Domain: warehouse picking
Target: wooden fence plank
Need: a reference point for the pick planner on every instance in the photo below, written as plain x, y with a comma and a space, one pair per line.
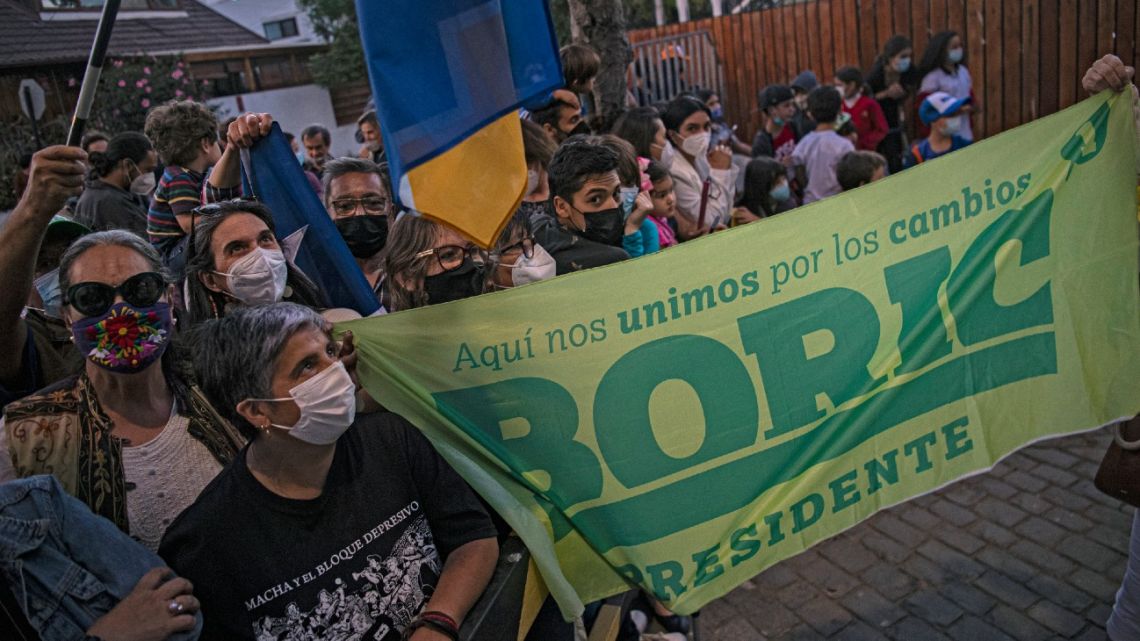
786, 29
1126, 30
937, 16
919, 27
1067, 50
1086, 44
797, 27
1030, 61
1011, 63
902, 22
826, 35
884, 27
867, 38
811, 25
995, 67
1050, 59
1106, 27
956, 17
973, 36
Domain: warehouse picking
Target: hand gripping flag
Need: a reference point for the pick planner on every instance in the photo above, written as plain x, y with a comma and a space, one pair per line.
448, 77
273, 176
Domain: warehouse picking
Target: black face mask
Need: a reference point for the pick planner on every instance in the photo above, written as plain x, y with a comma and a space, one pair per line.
581, 129
604, 226
464, 281
364, 235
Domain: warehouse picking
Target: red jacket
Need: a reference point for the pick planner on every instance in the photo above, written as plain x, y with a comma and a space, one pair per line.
869, 121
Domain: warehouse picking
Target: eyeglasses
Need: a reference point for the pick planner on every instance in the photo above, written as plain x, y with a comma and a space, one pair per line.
526, 246
212, 209
451, 256
94, 299
372, 205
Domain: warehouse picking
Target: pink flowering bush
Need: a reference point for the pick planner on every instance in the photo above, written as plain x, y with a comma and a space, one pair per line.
132, 85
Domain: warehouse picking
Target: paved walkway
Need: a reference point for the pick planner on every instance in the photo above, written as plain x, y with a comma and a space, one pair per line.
1028, 552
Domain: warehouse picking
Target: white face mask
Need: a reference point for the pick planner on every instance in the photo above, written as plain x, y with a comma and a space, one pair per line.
143, 185
328, 406
667, 155
259, 277
531, 182
696, 145
540, 266
951, 126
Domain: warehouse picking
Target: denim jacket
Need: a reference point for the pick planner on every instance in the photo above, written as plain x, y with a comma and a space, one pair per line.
66, 566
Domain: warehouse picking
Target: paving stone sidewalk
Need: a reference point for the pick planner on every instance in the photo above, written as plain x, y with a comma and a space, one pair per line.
1028, 552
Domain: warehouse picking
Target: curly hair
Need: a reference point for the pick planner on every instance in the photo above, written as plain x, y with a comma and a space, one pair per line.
177, 129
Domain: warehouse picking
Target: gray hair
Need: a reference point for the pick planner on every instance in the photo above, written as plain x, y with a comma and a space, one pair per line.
109, 238
336, 168
235, 356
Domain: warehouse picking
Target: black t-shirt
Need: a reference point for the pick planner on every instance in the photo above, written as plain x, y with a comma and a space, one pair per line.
358, 562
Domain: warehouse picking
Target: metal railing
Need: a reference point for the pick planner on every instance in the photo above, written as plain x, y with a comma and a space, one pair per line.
664, 68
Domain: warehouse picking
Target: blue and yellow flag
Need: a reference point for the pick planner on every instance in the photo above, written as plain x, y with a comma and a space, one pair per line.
448, 78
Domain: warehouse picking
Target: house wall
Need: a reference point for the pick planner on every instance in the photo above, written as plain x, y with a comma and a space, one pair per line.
295, 108
252, 14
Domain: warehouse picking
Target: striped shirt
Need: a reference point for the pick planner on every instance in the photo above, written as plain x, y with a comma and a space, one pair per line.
179, 192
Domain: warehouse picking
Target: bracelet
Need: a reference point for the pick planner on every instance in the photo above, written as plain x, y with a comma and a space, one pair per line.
437, 621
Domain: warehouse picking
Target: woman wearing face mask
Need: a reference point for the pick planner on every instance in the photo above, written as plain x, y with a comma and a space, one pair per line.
234, 259
892, 79
704, 179
317, 482
516, 259
118, 189
944, 69
766, 191
426, 263
141, 441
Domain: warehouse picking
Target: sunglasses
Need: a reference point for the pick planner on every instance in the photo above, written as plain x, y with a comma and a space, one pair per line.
94, 299
212, 209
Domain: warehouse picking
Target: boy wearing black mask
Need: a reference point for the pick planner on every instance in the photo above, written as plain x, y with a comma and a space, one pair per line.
356, 198
586, 198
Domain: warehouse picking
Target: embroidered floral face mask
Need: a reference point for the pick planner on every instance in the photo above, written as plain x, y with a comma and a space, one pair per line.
125, 339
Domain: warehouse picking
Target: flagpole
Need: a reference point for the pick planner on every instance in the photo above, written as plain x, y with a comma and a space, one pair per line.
94, 70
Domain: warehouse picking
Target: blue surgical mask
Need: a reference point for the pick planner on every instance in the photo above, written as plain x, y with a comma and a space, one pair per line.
902, 65
628, 197
955, 55
47, 285
779, 122
781, 193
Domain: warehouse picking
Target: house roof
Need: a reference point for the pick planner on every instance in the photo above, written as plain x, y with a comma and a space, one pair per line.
27, 40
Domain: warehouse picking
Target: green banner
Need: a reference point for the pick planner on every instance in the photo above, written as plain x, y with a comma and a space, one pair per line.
684, 420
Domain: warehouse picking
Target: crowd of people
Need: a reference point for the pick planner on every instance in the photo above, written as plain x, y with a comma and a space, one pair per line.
185, 449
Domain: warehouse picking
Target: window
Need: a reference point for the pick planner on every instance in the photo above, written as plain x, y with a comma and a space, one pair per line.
273, 72
280, 29
222, 77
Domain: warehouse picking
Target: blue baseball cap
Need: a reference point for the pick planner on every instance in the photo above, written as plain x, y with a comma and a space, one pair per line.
940, 105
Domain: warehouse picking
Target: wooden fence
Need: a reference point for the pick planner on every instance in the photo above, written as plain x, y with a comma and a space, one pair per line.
1026, 57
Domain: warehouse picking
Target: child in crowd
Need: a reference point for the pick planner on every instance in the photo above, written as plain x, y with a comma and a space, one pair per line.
659, 184
944, 69
766, 192
817, 154
801, 86
860, 168
866, 114
942, 113
580, 66
185, 135
640, 234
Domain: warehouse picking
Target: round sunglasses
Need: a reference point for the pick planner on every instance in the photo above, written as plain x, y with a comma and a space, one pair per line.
94, 299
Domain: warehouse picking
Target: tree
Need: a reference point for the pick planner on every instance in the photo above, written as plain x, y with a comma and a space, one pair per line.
602, 24
335, 22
